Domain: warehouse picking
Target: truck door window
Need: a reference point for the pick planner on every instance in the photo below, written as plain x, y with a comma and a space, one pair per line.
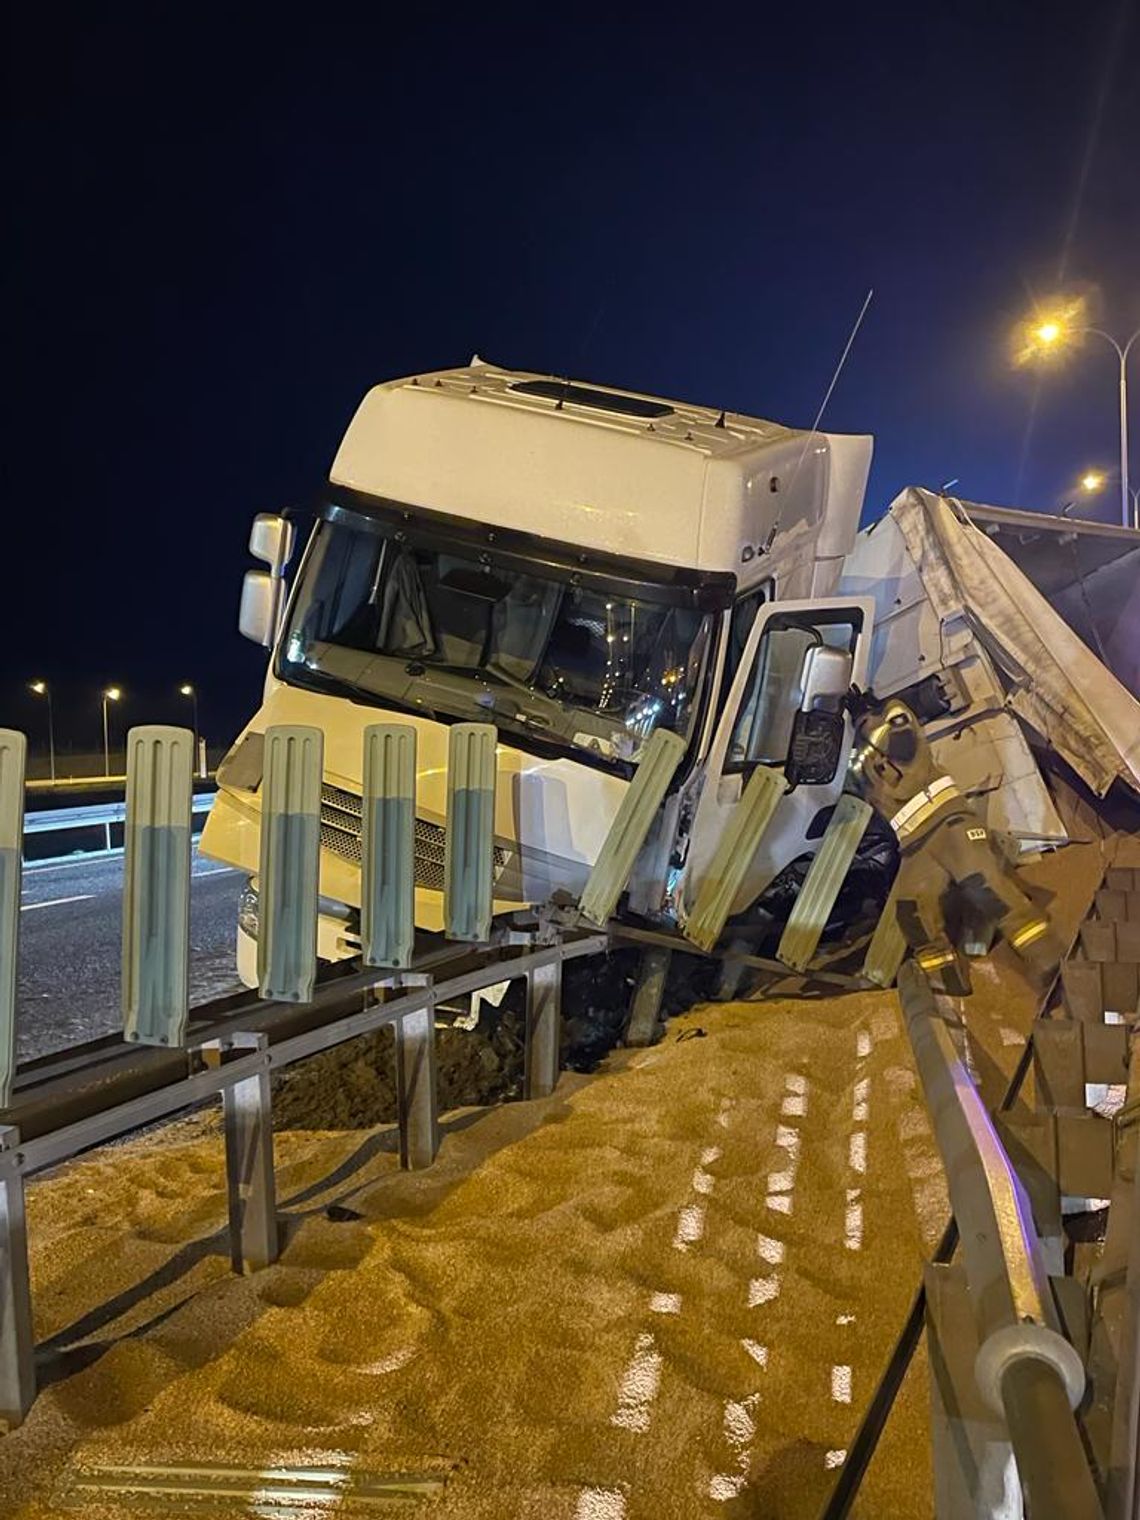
772, 727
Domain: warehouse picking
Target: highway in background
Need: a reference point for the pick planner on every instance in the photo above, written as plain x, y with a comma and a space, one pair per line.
70, 933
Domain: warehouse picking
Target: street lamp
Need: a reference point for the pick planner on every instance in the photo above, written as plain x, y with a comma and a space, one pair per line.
42, 689
111, 694
1090, 483
1048, 334
186, 690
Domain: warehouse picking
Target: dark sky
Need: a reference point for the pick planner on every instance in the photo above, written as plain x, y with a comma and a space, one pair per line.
224, 226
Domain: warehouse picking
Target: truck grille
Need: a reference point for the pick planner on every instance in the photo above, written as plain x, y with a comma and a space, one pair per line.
340, 833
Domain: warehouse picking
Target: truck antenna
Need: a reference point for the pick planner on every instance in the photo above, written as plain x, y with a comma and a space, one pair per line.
819, 415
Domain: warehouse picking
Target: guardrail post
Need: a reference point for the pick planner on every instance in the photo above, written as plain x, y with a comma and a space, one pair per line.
887, 950
156, 885
290, 862
250, 1183
388, 824
468, 863
632, 822
17, 1340
821, 885
13, 761
417, 1102
645, 1007
543, 1047
747, 824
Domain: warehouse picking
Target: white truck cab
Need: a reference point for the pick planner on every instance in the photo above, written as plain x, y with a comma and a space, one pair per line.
579, 566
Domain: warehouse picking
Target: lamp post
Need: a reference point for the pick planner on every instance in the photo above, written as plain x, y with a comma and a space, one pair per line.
187, 690
1050, 332
42, 689
111, 694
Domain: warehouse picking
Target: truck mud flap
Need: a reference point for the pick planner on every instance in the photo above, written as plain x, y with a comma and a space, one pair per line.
825, 876
746, 826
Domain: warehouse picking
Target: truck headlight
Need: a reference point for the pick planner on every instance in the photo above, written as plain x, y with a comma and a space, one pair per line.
249, 908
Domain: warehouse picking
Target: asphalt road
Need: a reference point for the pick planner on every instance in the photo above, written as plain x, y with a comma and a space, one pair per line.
70, 928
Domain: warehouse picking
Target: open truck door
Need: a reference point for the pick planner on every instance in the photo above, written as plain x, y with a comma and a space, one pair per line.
778, 759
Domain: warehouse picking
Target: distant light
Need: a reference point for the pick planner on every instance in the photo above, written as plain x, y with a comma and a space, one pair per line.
1048, 332
186, 689
113, 693
1092, 480
39, 687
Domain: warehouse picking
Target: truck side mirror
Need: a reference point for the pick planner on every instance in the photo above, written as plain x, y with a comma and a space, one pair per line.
825, 677
260, 598
271, 541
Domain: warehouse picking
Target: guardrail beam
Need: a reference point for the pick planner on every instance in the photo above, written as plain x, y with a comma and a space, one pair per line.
13, 764
17, 1339
156, 885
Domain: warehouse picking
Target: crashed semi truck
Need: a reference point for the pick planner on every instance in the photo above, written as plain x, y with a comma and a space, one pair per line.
583, 568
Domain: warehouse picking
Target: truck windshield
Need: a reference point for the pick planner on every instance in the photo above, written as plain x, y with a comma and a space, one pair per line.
430, 631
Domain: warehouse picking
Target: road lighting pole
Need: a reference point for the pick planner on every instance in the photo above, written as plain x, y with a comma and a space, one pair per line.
112, 694
1122, 353
187, 690
42, 689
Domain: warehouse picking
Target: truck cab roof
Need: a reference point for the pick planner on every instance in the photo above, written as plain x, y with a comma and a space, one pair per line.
615, 470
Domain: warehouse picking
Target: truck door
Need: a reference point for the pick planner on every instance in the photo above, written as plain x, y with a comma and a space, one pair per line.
782, 708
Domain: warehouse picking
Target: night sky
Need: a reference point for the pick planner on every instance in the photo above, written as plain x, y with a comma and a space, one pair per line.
223, 227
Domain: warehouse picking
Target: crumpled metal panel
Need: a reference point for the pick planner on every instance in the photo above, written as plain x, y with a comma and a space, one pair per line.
13, 761
156, 885
290, 862
746, 826
825, 876
388, 831
468, 866
631, 825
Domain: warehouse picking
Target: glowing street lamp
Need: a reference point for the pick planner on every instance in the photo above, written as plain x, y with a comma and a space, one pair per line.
1050, 333
111, 694
1089, 484
42, 689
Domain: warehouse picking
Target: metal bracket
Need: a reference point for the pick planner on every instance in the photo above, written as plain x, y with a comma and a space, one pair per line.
250, 1183
17, 1338
542, 1053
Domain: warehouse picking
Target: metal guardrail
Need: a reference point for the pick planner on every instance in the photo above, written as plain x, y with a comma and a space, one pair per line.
1025, 1369
57, 820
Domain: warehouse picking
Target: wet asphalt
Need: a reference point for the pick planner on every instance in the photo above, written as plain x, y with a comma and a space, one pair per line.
70, 928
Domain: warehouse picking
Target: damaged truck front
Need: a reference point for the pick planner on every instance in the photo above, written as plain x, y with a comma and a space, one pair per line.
580, 567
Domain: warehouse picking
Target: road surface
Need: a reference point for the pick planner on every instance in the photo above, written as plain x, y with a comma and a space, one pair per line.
70, 928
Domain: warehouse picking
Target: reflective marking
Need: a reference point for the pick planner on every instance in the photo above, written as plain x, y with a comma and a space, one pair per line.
639, 1386
862, 1044
739, 1425
726, 1486
1011, 1036
788, 1139
690, 1226
710, 1154
781, 1203
762, 1290
835, 1458
220, 871
56, 902
703, 1182
665, 1303
841, 1384
758, 1353
860, 1104
857, 1151
781, 1182
796, 1084
600, 1504
853, 1226
844, 1319
771, 1251
793, 1107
